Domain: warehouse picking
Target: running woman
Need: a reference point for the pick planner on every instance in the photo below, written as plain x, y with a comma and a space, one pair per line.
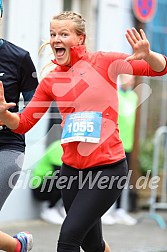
83, 84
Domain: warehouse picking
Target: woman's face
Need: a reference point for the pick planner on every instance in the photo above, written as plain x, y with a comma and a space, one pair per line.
62, 38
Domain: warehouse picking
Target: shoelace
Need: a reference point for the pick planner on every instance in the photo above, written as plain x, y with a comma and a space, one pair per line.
1, 8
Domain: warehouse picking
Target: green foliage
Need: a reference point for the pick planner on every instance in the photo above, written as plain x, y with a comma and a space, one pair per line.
146, 156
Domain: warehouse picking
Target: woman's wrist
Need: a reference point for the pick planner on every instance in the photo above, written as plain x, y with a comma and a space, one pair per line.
156, 61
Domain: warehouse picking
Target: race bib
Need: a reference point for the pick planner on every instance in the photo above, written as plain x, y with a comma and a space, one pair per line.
82, 127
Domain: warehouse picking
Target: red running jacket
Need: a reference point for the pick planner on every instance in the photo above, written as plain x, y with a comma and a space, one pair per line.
88, 85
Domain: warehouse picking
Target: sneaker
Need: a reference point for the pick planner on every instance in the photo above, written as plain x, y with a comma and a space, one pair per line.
107, 219
61, 211
122, 217
52, 215
26, 241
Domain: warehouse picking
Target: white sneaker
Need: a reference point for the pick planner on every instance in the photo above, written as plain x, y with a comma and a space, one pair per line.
52, 215
107, 219
62, 211
122, 217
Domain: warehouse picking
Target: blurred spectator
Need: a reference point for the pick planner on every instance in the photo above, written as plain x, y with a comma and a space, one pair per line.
54, 128
45, 176
18, 74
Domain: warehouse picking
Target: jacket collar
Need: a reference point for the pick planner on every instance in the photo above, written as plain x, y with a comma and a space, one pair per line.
77, 53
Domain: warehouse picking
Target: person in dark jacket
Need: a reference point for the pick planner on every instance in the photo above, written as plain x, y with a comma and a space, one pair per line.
18, 74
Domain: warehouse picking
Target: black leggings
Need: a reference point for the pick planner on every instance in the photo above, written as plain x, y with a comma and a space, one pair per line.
118, 202
86, 202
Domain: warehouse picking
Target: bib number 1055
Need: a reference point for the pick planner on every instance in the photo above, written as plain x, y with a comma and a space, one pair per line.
81, 127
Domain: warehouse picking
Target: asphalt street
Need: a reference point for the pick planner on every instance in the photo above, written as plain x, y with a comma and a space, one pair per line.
146, 236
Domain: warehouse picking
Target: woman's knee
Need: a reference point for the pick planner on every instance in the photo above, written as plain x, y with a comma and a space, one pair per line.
69, 239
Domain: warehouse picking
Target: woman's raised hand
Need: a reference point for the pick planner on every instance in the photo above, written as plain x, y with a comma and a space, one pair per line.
139, 44
4, 106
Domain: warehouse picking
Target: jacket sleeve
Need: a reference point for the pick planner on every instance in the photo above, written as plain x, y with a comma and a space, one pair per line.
142, 68
35, 109
27, 74
116, 64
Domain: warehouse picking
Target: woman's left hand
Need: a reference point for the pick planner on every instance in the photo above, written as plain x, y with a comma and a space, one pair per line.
4, 106
139, 44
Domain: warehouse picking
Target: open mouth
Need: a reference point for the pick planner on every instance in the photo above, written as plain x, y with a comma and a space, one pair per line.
60, 52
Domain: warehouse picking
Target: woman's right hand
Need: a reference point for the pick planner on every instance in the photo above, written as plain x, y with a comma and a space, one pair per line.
4, 106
